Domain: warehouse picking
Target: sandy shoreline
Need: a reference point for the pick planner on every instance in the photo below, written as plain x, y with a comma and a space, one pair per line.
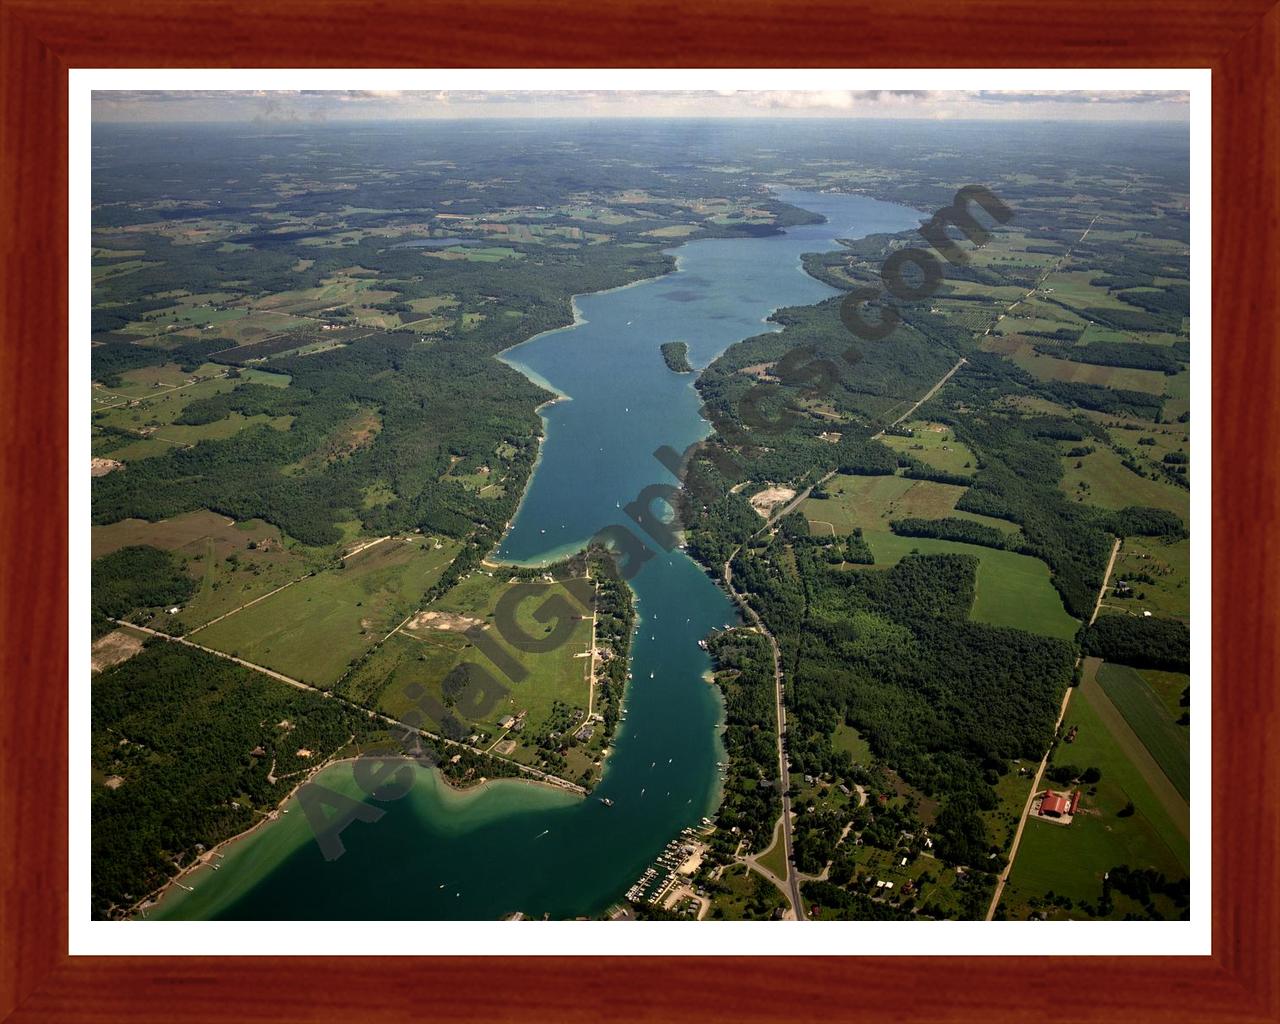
157, 896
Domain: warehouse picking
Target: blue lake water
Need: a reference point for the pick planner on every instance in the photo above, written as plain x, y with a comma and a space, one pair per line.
513, 846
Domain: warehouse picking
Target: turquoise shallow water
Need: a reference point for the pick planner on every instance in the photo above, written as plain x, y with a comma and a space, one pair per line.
440, 855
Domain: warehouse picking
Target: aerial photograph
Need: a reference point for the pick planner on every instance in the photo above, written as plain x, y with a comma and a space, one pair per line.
602, 505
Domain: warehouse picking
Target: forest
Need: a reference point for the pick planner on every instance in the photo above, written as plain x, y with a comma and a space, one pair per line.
948, 702
135, 577
1141, 642
183, 746
676, 356
743, 665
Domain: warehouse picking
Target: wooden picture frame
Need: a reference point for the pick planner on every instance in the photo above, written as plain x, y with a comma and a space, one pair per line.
42, 39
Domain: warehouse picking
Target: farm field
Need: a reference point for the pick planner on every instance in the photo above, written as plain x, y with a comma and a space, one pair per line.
148, 383
218, 554
1011, 589
1070, 861
434, 644
351, 287
313, 630
1073, 288
1021, 350
872, 502
1169, 687
1142, 708
149, 400
179, 532
166, 437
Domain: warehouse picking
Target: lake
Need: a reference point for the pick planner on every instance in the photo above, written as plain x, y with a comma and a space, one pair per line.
438, 854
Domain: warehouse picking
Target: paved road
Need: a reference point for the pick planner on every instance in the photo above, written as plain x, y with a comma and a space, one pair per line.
784, 773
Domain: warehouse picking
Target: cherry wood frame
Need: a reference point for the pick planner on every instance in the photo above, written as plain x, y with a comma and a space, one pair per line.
41, 39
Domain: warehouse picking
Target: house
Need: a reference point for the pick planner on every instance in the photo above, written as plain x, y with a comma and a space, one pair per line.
1075, 801
1053, 805
506, 722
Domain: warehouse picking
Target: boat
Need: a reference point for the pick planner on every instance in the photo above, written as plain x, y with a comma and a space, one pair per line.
606, 801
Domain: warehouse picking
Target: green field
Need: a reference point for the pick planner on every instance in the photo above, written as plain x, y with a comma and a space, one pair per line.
1071, 860
218, 555
1166, 564
148, 400
775, 858
1011, 589
848, 739
1169, 687
1011, 795
872, 502
313, 630
1166, 741
935, 445
1021, 350
1111, 485
748, 896
432, 645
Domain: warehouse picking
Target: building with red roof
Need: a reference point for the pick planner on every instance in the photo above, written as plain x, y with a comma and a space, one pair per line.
1054, 805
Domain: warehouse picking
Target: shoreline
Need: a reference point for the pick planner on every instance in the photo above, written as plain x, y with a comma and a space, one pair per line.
579, 320
205, 860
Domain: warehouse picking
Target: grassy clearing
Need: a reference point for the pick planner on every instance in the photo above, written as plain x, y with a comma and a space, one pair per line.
672, 231
345, 288
1159, 573
1151, 721
1071, 860
429, 648
151, 399
183, 532
1011, 590
166, 437
217, 552
1011, 794
746, 896
775, 858
432, 303
1021, 350
935, 445
848, 739
1109, 484
313, 630
872, 502
1073, 288
1169, 687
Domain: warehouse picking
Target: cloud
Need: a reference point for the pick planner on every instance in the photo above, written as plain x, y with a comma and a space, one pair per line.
373, 104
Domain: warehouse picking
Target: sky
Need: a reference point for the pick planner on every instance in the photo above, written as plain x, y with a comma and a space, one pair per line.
303, 105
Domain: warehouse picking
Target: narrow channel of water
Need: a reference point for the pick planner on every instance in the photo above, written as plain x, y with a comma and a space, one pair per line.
438, 854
